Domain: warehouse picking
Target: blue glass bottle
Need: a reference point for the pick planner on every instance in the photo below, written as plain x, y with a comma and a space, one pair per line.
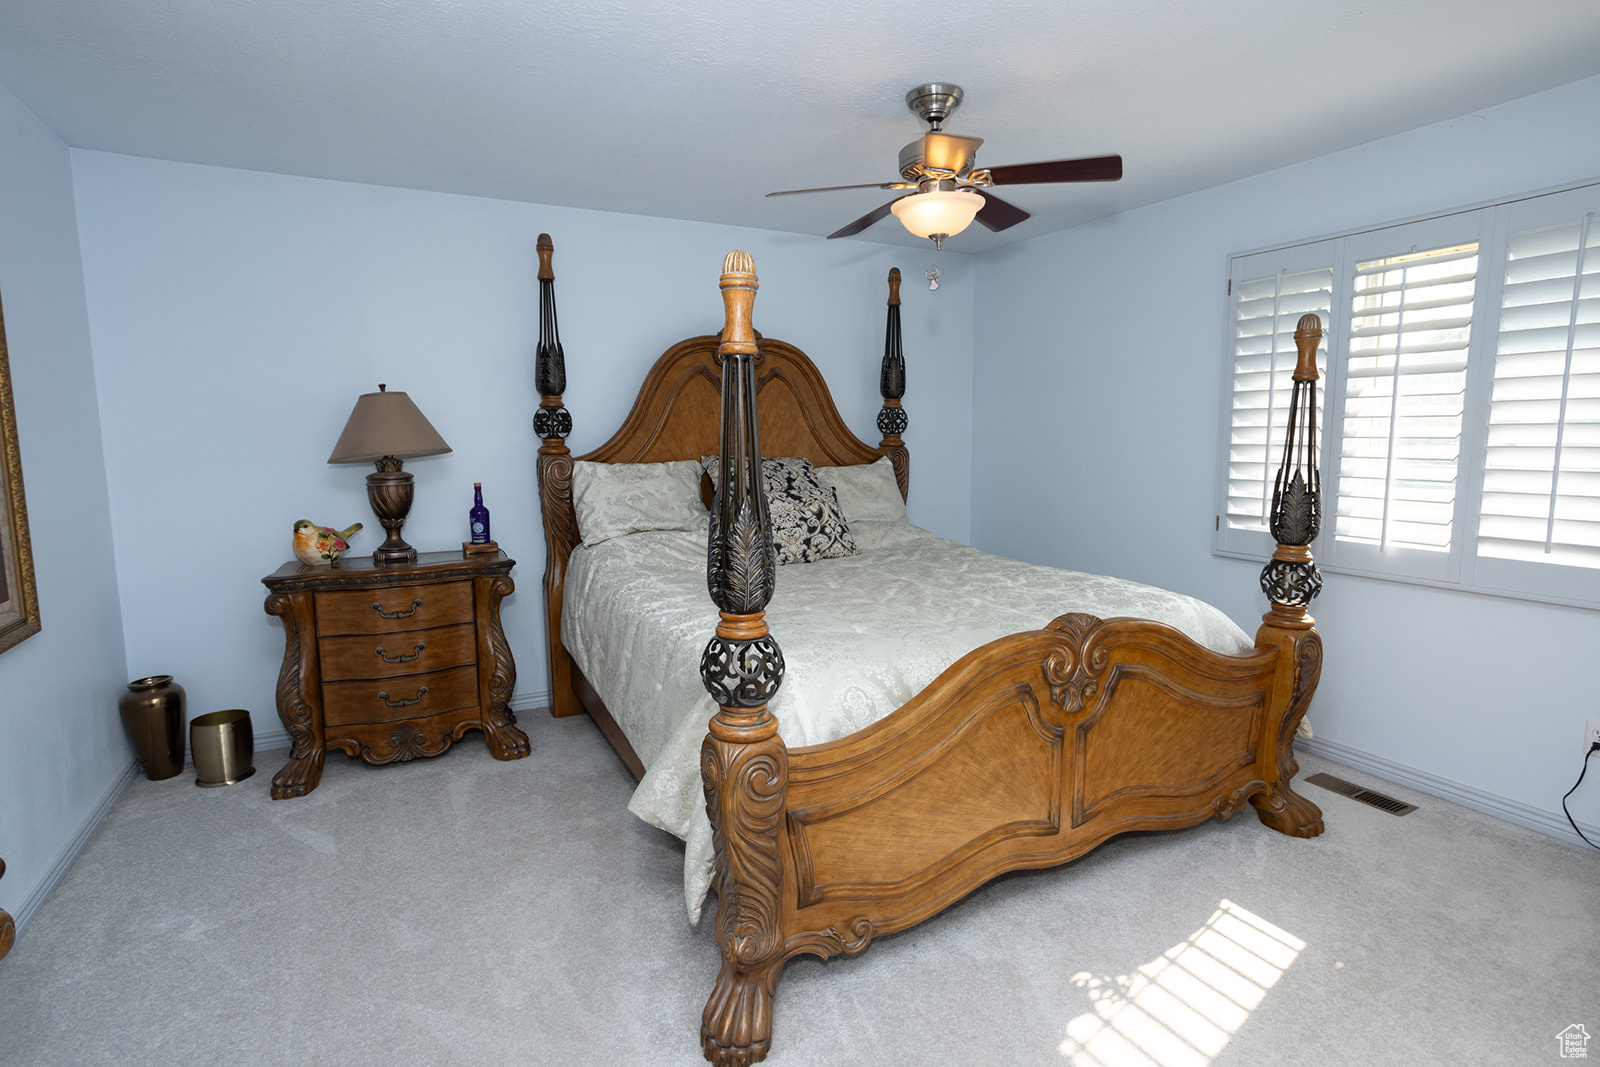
479, 516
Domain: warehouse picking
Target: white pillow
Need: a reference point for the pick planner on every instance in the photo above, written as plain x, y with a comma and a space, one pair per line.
613, 499
868, 492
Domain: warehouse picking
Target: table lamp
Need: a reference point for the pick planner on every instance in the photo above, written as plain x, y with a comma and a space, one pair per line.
386, 428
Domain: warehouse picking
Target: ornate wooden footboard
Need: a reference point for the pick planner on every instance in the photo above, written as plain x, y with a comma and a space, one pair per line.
1025, 753
1028, 752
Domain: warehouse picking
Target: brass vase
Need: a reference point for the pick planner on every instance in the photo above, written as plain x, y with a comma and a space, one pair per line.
152, 713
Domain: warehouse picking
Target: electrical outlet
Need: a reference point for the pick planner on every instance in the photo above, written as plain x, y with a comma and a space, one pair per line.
1591, 735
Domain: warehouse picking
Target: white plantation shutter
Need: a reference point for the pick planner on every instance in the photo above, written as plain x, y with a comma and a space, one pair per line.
1541, 484
1264, 359
1268, 299
1405, 378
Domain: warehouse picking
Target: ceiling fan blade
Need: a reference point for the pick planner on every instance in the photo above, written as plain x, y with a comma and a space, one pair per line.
833, 188
1091, 169
946, 151
997, 214
875, 215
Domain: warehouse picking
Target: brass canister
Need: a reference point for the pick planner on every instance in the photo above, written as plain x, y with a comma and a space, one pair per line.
222, 746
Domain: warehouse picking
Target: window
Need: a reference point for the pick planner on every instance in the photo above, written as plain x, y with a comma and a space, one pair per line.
1459, 402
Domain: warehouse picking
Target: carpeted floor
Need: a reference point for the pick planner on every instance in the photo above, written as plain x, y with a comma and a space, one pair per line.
465, 911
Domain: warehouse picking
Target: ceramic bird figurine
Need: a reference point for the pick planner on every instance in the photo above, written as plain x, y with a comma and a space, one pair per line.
321, 544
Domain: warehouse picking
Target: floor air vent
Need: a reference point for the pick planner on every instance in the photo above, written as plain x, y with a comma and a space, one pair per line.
1361, 793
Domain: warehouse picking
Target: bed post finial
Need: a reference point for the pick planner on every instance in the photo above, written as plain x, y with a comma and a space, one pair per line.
1291, 581
552, 423
892, 419
739, 285
744, 766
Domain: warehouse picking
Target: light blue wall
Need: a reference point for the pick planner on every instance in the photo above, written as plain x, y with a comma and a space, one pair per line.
61, 744
237, 315
1101, 352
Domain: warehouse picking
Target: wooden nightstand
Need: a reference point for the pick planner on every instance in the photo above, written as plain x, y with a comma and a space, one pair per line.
392, 662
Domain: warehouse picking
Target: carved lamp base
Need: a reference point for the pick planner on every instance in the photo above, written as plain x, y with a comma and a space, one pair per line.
390, 491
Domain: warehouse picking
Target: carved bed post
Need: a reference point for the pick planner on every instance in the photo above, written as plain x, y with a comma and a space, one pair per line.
744, 766
892, 419
1291, 581
552, 423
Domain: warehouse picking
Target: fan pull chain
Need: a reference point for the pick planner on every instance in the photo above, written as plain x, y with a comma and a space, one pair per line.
933, 266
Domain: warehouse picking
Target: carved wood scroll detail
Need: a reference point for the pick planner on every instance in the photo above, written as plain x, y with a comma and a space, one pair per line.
1280, 807
560, 537
506, 742
304, 769
1074, 672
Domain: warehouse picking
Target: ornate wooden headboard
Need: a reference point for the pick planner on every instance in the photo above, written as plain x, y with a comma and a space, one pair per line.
677, 416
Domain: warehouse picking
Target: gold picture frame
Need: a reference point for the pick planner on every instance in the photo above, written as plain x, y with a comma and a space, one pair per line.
19, 596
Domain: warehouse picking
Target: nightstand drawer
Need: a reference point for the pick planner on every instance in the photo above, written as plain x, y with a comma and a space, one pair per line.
398, 607
411, 696
405, 652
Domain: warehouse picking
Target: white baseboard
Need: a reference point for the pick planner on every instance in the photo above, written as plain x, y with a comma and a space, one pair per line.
1552, 823
277, 737
69, 855
521, 702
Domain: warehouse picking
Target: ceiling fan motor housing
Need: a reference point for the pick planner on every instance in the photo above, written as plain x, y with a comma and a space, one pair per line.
911, 161
940, 156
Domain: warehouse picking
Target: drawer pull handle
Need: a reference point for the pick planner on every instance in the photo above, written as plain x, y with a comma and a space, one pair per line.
381, 654
384, 696
415, 604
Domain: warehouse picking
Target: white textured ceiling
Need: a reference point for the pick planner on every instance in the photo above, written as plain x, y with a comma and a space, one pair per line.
693, 109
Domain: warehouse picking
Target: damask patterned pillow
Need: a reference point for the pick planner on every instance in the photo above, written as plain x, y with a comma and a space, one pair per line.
807, 524
614, 499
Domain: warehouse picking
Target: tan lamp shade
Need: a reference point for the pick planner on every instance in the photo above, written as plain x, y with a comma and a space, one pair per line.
386, 424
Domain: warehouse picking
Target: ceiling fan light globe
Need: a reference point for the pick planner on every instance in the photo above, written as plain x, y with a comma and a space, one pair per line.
945, 213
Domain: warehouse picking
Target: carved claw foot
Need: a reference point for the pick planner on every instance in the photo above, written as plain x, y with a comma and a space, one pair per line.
299, 776
506, 742
736, 1027
1287, 812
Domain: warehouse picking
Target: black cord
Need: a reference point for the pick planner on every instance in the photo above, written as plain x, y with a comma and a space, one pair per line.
1592, 750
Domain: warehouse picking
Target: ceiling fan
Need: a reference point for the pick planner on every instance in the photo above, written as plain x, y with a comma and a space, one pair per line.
950, 191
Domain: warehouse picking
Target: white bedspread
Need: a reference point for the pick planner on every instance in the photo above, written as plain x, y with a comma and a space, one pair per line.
860, 636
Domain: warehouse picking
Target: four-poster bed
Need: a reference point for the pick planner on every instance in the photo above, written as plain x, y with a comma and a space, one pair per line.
1026, 752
